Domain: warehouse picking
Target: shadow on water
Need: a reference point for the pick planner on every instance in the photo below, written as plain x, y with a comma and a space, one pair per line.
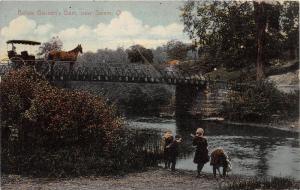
189, 125
255, 151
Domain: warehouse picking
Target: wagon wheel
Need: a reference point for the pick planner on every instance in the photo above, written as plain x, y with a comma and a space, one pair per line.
17, 62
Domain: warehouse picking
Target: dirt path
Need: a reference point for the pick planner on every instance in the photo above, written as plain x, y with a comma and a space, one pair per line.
153, 179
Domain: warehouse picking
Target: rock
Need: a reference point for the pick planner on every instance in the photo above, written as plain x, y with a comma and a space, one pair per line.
287, 82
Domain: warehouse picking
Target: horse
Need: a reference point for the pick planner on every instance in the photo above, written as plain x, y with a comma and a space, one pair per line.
70, 56
173, 62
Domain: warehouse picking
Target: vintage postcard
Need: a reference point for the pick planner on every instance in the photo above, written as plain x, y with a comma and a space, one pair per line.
149, 95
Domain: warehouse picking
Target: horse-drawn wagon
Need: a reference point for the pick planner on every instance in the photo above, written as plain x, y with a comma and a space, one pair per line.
43, 65
23, 58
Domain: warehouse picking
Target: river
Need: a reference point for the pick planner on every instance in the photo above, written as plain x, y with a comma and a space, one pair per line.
254, 151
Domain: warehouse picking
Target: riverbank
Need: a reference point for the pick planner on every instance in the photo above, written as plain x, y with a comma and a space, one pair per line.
152, 179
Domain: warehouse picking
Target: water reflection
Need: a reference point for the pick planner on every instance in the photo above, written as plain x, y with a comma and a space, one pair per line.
254, 151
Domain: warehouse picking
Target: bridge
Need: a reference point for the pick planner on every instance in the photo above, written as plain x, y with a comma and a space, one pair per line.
129, 73
189, 85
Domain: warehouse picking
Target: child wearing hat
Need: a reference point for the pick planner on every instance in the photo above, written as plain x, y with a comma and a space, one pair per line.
201, 155
174, 146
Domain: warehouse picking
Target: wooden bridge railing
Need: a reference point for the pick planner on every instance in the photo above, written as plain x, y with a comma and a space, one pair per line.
129, 74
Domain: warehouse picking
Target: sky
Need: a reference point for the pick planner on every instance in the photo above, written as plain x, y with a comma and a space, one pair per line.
93, 24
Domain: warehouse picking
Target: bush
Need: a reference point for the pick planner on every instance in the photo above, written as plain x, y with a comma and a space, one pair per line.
57, 132
260, 102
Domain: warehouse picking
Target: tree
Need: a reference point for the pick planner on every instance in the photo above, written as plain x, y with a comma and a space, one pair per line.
176, 50
53, 44
225, 31
236, 34
138, 53
103, 56
290, 27
266, 17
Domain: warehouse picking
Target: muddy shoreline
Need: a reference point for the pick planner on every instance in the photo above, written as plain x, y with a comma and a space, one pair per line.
151, 179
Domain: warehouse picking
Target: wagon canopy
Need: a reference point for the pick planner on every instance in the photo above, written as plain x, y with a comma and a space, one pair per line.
28, 42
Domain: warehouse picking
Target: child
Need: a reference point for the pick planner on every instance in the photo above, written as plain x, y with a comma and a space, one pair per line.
220, 159
167, 140
173, 147
201, 155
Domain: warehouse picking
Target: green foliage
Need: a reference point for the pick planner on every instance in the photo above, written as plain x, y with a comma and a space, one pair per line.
176, 50
93, 59
138, 53
290, 26
260, 102
53, 44
30, 101
57, 132
226, 31
17, 92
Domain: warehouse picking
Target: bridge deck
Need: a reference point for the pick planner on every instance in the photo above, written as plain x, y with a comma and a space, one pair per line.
135, 73
128, 73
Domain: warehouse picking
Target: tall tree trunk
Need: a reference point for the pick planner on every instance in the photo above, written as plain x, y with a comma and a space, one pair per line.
261, 24
259, 57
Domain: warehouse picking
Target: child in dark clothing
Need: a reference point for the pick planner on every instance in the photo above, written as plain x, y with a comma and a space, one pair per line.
173, 147
220, 159
201, 155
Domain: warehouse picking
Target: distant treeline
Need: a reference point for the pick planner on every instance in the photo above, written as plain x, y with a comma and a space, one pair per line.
161, 54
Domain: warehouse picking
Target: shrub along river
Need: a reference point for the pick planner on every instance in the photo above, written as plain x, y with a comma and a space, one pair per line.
254, 151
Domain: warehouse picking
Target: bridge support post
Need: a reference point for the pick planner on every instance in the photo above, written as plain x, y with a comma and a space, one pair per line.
185, 99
